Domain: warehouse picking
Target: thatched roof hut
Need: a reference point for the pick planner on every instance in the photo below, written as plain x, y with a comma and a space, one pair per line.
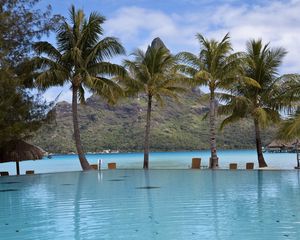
16, 151
275, 144
278, 145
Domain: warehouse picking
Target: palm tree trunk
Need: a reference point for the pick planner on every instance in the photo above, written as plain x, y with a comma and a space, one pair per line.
147, 132
213, 163
83, 161
260, 156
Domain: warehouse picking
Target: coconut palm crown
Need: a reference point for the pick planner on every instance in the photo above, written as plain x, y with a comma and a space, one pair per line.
80, 59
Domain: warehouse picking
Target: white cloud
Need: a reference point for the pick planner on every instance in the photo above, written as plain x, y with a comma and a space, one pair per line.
138, 26
59, 93
277, 22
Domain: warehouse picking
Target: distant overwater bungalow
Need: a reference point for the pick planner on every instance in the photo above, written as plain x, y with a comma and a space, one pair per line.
278, 146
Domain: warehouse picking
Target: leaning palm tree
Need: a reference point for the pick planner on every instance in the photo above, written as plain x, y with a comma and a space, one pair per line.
152, 72
263, 103
81, 60
216, 67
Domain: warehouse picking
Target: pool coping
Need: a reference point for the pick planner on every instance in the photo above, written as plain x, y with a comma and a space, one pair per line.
156, 169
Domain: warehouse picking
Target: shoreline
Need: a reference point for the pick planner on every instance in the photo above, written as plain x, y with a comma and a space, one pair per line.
158, 160
154, 151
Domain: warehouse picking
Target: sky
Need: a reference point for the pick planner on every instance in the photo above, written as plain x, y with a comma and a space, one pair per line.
136, 22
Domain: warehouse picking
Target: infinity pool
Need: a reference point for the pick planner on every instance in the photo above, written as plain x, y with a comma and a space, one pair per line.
154, 204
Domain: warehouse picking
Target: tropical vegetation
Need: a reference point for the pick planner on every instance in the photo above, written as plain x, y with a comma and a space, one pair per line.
290, 127
262, 103
80, 59
177, 126
154, 73
21, 111
216, 67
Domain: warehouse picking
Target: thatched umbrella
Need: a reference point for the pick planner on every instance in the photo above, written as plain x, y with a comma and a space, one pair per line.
16, 151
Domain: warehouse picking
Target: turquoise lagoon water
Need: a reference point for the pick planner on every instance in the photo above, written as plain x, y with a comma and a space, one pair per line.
158, 160
154, 204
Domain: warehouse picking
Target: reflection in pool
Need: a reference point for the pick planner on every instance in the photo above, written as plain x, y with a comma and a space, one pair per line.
154, 204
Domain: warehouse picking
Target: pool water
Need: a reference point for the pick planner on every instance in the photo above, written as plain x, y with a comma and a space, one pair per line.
153, 204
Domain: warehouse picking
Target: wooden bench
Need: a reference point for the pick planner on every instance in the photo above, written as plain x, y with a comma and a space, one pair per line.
112, 165
4, 173
196, 163
249, 165
94, 166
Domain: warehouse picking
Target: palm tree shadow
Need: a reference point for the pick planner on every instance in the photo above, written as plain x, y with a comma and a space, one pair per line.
151, 216
215, 202
77, 213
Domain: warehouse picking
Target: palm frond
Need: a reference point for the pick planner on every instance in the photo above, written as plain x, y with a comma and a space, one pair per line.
51, 78
202, 77
187, 70
265, 116
106, 88
65, 38
105, 49
229, 120
189, 59
248, 81
106, 68
91, 31
290, 128
81, 96
48, 49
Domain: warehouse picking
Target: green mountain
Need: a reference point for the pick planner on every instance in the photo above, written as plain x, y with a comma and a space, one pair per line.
175, 126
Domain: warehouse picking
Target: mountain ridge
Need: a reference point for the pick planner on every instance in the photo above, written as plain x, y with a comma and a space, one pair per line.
176, 126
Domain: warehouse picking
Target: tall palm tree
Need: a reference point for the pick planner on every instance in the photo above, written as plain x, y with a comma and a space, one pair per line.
152, 72
81, 60
263, 103
216, 67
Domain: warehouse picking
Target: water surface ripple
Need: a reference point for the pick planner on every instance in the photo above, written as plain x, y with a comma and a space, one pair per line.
154, 204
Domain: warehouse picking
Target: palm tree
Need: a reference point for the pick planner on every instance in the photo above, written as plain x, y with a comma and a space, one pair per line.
290, 92
263, 103
216, 67
152, 72
81, 60
290, 128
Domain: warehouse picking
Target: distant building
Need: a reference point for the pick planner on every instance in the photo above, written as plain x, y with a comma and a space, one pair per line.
278, 146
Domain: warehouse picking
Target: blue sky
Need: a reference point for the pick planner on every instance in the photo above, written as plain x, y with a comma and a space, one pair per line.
176, 22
